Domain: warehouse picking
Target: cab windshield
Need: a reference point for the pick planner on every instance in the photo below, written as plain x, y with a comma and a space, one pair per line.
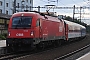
21, 22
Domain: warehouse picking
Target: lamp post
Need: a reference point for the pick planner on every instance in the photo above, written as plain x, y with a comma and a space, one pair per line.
22, 5
14, 6
80, 13
4, 6
73, 12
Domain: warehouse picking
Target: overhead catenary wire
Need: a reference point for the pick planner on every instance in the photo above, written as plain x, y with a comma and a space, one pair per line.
44, 1
58, 1
86, 2
76, 4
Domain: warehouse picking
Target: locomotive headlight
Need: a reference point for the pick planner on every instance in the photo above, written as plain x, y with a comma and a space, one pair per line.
32, 33
8, 33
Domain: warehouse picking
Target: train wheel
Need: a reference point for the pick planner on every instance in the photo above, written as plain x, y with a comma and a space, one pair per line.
9, 48
40, 46
59, 42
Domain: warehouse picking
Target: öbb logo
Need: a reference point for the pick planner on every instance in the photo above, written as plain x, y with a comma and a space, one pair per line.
19, 34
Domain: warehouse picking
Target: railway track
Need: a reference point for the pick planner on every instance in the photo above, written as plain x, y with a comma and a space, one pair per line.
12, 55
6, 54
15, 55
59, 53
9, 56
40, 55
71, 53
21, 54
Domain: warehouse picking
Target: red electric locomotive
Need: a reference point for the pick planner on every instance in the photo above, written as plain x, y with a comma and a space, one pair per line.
34, 29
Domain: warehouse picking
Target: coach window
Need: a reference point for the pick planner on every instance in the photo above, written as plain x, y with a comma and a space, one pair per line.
27, 0
0, 10
30, 2
6, 12
7, 22
38, 22
6, 4
0, 3
0, 20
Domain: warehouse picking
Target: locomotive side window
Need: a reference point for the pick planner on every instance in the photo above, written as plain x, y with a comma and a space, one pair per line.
21, 22
38, 22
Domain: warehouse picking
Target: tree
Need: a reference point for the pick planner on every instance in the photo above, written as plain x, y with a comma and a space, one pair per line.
75, 20
68, 18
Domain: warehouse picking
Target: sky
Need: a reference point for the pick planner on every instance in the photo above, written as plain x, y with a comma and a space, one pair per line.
66, 3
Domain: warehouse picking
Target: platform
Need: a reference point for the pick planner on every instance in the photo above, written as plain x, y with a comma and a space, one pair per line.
2, 43
85, 57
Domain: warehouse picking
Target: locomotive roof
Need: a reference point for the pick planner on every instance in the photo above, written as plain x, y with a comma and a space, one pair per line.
24, 12
42, 14
74, 24
35, 12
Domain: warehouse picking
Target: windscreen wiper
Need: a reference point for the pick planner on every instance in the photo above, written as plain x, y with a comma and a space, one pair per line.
19, 23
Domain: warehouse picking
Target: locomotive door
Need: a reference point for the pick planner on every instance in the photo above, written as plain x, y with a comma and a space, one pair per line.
66, 31
39, 27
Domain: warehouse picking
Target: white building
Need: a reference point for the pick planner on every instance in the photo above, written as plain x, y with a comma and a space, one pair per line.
7, 6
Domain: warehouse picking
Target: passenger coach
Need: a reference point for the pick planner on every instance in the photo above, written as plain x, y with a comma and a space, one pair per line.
75, 30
